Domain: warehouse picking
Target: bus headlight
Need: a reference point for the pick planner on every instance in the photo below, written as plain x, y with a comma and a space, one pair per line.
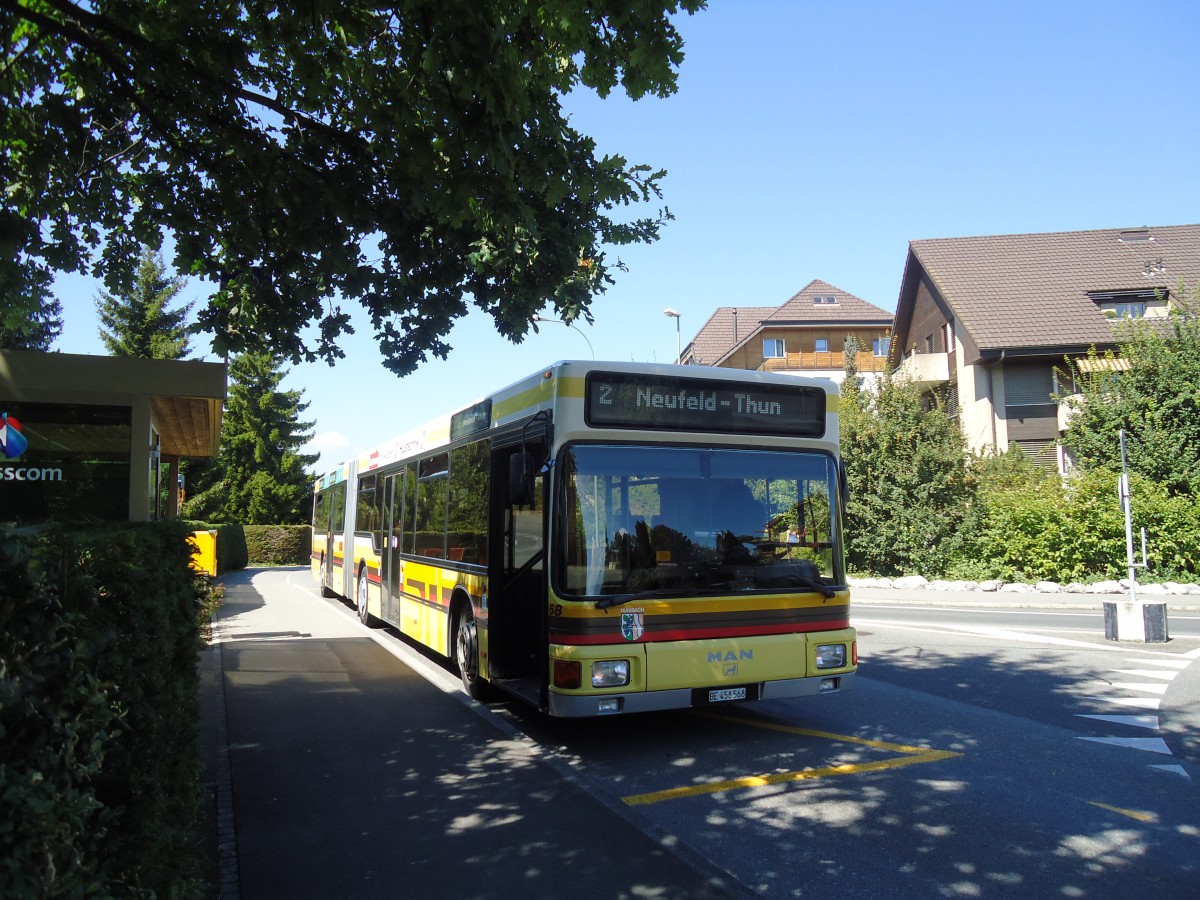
831, 656
607, 673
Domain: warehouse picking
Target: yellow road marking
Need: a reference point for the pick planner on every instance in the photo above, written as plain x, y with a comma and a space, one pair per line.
1132, 813
914, 756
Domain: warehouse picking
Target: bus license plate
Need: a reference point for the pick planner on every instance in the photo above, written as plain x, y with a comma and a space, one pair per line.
727, 694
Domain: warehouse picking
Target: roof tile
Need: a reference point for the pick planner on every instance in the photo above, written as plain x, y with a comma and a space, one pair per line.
1030, 290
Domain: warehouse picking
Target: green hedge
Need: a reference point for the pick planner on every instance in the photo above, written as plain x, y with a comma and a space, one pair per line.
99, 713
278, 545
1038, 528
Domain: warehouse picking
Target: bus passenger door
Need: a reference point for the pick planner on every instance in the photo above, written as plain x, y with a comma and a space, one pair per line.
390, 566
517, 582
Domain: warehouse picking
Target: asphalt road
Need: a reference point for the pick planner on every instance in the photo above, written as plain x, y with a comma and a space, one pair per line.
982, 753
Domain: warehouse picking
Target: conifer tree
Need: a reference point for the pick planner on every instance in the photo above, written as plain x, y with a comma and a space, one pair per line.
140, 323
31, 319
259, 475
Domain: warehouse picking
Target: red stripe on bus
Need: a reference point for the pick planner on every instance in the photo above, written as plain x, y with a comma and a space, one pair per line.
697, 634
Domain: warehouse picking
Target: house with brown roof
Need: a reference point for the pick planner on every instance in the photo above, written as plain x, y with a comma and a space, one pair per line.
807, 335
988, 323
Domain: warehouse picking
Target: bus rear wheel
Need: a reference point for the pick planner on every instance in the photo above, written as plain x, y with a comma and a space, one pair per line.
466, 653
364, 614
326, 590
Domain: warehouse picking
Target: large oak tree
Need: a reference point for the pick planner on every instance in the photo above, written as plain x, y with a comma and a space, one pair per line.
413, 156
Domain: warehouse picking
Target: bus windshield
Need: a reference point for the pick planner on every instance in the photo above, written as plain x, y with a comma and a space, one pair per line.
697, 521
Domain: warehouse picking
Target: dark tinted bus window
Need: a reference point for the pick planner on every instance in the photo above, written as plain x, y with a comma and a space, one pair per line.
430, 525
408, 511
466, 520
337, 506
369, 516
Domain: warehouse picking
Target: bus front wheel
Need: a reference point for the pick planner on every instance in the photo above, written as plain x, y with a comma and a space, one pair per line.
466, 653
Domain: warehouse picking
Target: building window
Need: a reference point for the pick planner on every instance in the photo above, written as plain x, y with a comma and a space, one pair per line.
773, 348
1028, 385
949, 335
929, 343
821, 345
824, 300
880, 346
1134, 310
1127, 304
1042, 453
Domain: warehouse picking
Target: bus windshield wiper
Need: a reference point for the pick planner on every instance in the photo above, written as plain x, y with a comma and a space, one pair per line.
794, 580
621, 599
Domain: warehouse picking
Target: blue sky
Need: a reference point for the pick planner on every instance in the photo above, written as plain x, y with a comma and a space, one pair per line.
815, 141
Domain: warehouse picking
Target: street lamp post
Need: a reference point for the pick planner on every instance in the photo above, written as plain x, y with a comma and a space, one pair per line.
540, 318
674, 314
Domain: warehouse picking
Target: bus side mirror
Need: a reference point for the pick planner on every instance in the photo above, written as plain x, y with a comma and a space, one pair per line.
520, 478
844, 478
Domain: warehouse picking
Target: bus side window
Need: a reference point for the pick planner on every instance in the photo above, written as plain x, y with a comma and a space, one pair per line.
397, 522
337, 508
466, 523
430, 527
369, 519
408, 537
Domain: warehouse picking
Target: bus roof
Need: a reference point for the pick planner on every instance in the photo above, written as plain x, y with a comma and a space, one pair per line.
535, 392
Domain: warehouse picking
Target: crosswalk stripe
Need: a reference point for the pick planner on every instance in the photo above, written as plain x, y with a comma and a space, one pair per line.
1133, 721
1151, 745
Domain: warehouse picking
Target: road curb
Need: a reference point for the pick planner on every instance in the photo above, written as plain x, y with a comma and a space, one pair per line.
227, 848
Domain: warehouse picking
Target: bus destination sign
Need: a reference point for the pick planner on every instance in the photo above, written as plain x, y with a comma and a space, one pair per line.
625, 400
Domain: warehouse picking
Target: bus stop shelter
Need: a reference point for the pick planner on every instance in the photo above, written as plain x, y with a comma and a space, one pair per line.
101, 437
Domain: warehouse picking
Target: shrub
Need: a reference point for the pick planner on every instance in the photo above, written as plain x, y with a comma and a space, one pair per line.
910, 486
278, 545
56, 723
1031, 526
101, 710
134, 585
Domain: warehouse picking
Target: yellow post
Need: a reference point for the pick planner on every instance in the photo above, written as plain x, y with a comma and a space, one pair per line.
204, 557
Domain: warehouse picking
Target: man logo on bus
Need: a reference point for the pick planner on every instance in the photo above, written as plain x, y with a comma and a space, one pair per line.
11, 438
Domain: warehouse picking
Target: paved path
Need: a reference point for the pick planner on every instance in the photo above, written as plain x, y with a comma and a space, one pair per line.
342, 772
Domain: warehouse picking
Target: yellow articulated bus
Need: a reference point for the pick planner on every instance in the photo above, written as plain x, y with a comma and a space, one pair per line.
606, 538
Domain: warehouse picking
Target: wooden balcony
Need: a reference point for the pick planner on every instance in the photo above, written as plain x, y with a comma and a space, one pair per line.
865, 362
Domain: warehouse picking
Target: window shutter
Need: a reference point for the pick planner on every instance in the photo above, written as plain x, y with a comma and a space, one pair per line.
1044, 455
1028, 385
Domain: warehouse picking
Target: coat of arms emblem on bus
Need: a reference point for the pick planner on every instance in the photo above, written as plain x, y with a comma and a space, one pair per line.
11, 440
633, 625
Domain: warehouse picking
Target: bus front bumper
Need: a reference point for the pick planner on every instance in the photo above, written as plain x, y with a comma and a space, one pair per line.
577, 706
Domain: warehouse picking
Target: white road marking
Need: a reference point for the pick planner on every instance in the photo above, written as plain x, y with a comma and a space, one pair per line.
1148, 673
1137, 686
1151, 745
1139, 702
983, 631
1174, 770
1169, 663
1150, 722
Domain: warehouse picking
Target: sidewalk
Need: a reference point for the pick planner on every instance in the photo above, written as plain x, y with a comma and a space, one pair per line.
341, 772
1014, 600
